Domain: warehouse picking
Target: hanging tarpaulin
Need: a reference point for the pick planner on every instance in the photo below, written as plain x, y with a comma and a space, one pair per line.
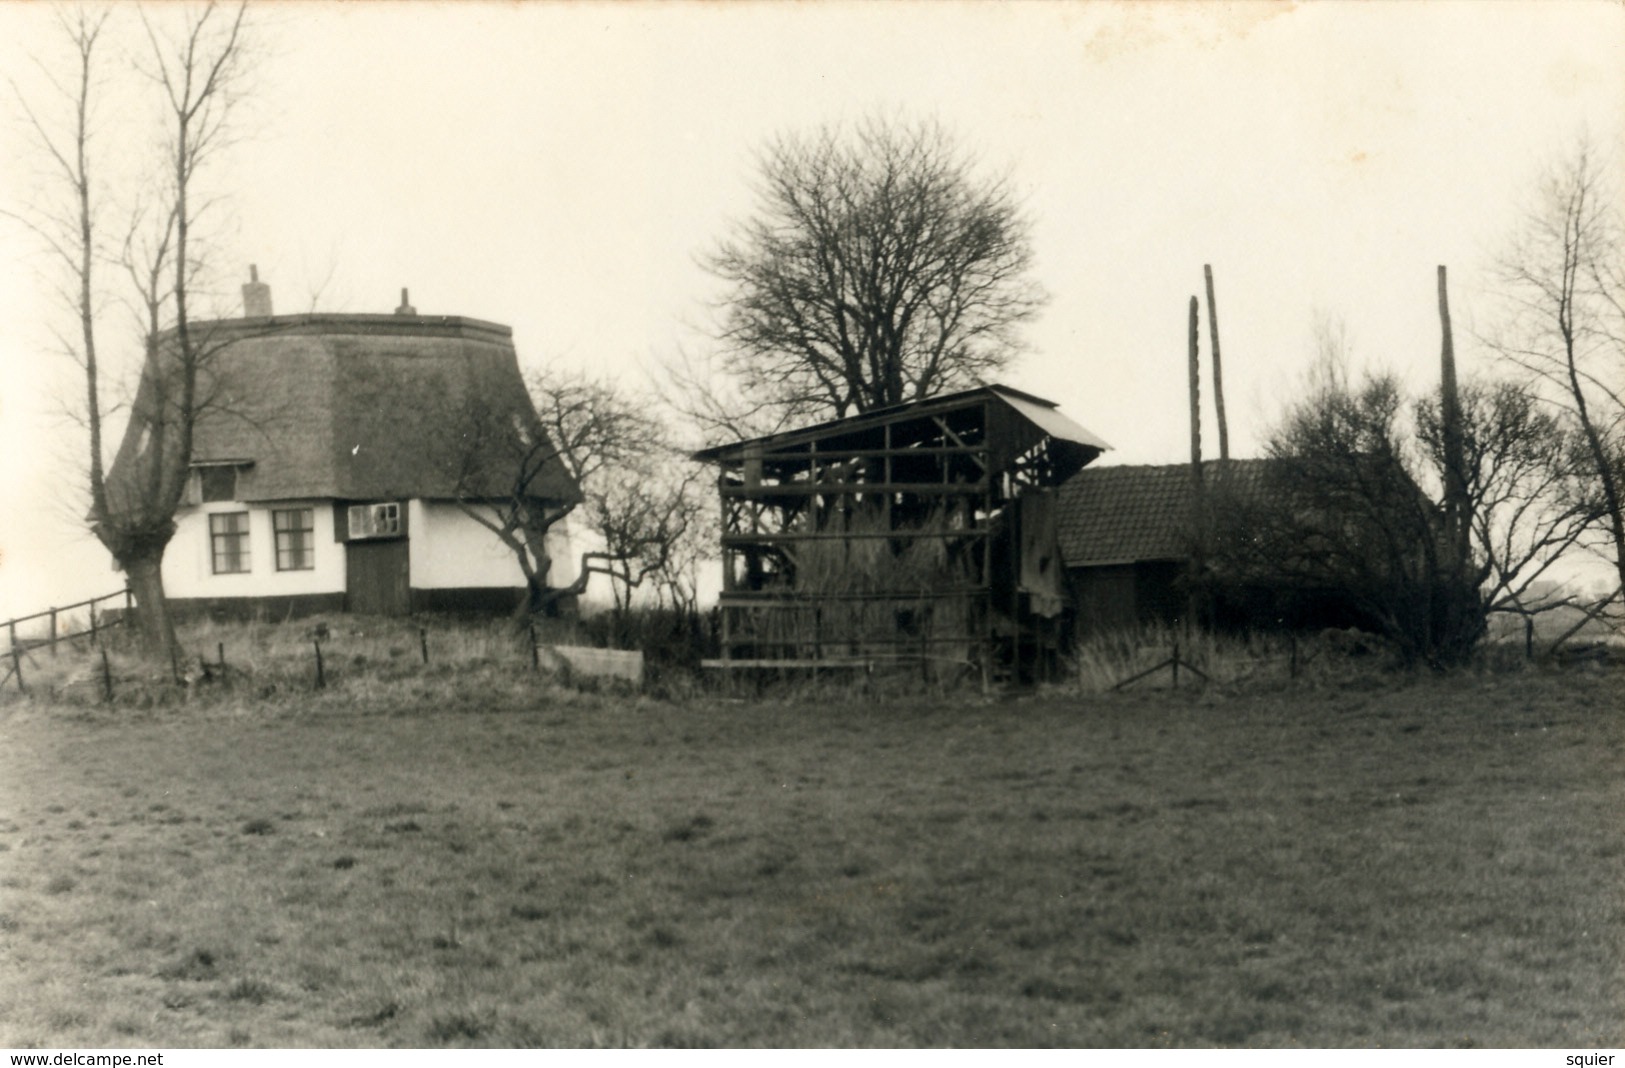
1040, 573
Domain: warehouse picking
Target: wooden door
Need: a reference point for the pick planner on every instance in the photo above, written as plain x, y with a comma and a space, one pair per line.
375, 578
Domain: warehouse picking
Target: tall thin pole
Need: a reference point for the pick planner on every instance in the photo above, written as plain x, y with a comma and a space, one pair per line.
1196, 399
1455, 462
1198, 512
1218, 374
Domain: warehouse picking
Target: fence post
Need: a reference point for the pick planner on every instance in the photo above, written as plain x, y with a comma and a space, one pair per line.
17, 665
107, 678
321, 678
53, 632
818, 641
423, 642
95, 638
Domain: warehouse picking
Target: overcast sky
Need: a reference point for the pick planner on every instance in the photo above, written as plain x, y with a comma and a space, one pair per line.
560, 168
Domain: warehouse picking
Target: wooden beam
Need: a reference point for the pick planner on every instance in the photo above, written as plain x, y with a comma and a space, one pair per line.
814, 489
854, 535
770, 599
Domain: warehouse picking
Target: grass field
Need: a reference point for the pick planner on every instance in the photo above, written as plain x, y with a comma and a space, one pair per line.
1438, 862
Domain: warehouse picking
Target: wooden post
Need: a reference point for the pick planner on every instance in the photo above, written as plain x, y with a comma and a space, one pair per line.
1198, 516
1457, 505
53, 632
95, 638
818, 611
321, 676
1196, 395
1218, 375
17, 664
987, 651
107, 678
1013, 557
423, 642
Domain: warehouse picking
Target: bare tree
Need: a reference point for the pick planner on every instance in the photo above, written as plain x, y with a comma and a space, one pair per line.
195, 72
611, 448
1528, 500
67, 225
1344, 521
498, 461
878, 268
644, 519
1563, 277
693, 541
1351, 512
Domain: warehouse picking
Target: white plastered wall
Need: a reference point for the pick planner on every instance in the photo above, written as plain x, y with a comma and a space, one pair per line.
189, 568
450, 550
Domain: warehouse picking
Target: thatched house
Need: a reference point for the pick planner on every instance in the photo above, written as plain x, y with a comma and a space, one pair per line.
921, 534
329, 468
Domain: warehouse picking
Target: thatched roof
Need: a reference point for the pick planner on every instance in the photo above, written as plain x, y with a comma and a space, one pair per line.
361, 407
1128, 514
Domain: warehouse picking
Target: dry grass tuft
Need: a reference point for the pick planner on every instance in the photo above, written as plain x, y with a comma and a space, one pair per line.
236, 668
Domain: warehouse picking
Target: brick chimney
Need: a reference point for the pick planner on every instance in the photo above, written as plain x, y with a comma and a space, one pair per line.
256, 296
406, 305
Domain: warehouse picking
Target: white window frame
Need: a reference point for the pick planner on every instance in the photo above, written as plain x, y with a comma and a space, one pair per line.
240, 540
374, 520
294, 553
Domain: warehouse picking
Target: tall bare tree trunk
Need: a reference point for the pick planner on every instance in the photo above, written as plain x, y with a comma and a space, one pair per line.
1218, 372
1604, 464
1564, 269
195, 71
1460, 587
144, 570
1457, 507
1198, 505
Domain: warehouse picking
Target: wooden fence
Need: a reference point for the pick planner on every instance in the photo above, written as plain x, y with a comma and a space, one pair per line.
17, 646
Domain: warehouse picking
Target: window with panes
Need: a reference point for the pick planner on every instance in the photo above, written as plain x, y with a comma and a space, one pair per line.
295, 538
228, 542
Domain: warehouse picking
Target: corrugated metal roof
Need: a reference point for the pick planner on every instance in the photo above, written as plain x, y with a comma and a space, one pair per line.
1048, 418
1117, 515
1040, 412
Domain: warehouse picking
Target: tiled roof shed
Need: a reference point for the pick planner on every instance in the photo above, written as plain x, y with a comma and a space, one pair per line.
1130, 514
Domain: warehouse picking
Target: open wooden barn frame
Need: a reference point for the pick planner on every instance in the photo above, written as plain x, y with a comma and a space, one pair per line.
920, 535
